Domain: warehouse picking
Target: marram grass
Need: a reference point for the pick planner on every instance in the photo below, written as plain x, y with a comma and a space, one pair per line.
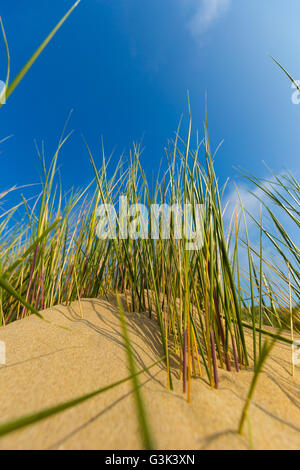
202, 299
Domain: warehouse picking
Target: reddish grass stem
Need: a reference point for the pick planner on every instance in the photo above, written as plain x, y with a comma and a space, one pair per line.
184, 360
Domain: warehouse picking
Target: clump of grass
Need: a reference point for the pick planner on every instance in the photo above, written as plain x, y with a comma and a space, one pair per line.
57, 257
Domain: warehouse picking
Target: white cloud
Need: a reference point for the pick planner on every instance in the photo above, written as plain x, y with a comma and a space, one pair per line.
249, 201
204, 13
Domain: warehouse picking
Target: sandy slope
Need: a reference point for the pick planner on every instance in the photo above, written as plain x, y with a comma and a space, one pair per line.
47, 365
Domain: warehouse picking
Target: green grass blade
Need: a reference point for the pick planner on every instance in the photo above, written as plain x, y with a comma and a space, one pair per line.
4, 91
266, 350
31, 248
286, 72
141, 410
36, 54
6, 286
29, 419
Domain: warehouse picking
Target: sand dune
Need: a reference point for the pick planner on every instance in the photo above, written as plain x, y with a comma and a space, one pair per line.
47, 365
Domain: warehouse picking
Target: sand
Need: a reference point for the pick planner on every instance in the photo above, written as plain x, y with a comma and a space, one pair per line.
47, 365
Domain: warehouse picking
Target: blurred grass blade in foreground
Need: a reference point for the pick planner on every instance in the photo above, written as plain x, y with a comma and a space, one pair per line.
140, 405
11, 87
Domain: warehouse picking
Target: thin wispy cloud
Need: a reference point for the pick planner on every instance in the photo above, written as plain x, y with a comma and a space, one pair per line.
204, 13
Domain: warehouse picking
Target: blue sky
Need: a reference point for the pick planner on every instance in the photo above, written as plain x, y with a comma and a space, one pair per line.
125, 67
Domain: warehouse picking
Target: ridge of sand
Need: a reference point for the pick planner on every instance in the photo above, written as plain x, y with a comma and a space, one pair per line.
47, 365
